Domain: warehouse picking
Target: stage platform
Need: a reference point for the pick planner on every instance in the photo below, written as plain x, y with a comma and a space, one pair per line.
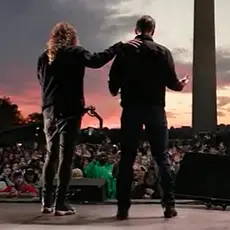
93, 217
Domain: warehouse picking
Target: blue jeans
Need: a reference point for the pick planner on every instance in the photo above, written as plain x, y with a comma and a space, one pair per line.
155, 121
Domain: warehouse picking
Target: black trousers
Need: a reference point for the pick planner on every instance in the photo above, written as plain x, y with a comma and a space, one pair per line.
61, 133
155, 121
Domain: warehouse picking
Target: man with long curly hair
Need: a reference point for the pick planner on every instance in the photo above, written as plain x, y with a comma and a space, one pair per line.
60, 71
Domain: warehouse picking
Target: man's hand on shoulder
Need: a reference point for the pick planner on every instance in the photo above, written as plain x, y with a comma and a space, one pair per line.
134, 42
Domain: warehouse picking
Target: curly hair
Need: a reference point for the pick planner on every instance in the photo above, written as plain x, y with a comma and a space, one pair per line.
62, 35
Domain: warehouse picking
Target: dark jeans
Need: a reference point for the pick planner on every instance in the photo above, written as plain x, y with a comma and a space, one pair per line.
155, 121
61, 132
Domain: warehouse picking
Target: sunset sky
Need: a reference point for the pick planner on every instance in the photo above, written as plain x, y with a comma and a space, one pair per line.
25, 27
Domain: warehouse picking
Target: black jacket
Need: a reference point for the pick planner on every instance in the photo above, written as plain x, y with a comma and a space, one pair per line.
62, 84
142, 74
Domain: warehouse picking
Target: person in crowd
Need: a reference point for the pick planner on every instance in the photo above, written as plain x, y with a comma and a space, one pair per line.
31, 177
145, 161
138, 187
140, 76
63, 106
77, 174
90, 152
19, 189
6, 174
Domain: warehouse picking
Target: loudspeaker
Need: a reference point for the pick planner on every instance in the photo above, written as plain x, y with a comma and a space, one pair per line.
204, 176
86, 190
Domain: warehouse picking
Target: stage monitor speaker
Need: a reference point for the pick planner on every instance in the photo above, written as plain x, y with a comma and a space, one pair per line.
204, 176
87, 190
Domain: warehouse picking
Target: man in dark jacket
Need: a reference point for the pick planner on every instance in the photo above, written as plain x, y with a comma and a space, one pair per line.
141, 76
60, 71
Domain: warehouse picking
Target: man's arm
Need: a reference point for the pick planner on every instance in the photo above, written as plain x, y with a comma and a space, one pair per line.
115, 74
97, 60
172, 82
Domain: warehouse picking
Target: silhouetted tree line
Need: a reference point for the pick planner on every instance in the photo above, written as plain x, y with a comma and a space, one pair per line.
14, 127
10, 115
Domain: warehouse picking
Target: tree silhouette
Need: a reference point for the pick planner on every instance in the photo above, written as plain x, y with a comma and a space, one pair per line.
34, 117
9, 114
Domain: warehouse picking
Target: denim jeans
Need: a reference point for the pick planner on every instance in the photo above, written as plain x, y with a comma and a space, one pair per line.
61, 132
155, 121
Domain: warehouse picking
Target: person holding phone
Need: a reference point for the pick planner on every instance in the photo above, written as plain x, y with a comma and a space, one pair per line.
141, 76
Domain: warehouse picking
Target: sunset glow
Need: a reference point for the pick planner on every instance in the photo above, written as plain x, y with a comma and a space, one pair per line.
111, 22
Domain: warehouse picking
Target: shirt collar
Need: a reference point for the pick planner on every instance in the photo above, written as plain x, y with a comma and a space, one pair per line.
144, 37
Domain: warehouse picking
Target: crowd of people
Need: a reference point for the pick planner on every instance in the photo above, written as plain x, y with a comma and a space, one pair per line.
21, 165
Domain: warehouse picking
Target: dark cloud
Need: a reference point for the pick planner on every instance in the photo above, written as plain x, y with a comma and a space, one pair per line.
25, 27
223, 67
122, 24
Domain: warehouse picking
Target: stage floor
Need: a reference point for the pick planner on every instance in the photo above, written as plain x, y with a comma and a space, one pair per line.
93, 217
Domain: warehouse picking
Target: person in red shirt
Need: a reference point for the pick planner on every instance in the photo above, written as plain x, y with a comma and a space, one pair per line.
20, 189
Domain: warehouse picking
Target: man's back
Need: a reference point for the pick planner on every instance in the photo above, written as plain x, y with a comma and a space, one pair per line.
143, 74
62, 80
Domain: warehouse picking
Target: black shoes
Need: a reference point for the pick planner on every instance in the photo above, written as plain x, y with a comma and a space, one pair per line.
170, 212
122, 214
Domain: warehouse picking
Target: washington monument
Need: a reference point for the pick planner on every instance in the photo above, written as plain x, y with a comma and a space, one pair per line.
204, 105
